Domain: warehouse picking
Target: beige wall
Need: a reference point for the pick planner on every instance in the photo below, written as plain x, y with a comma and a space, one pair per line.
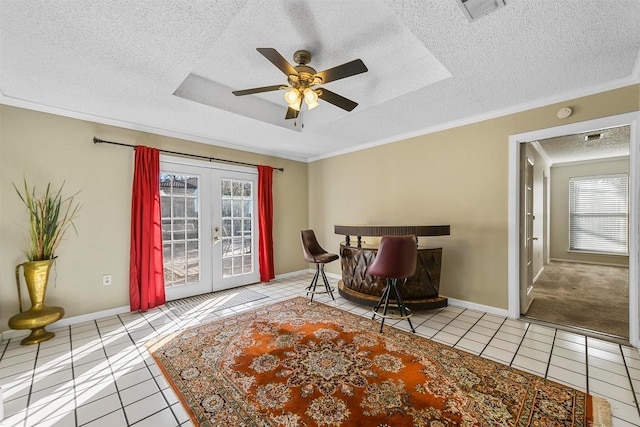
560, 209
46, 147
457, 177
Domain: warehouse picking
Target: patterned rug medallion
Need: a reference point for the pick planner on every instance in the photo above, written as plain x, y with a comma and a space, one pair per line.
291, 364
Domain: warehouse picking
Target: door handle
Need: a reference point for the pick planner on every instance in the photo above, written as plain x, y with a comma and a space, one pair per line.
534, 238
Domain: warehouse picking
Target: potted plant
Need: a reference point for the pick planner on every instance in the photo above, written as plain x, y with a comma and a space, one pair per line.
50, 216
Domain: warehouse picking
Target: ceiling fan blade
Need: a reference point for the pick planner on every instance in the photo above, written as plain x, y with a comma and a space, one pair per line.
256, 90
341, 71
337, 100
291, 114
277, 60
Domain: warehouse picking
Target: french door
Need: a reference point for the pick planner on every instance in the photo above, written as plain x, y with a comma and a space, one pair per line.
209, 227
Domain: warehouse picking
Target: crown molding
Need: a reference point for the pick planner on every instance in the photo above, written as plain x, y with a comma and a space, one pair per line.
20, 103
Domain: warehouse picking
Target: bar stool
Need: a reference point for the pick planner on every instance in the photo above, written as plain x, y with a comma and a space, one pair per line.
396, 260
313, 253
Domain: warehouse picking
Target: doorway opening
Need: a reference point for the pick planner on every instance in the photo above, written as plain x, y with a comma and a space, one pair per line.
582, 280
562, 269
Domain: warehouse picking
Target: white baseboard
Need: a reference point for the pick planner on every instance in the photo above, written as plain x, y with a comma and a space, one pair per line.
290, 274
478, 307
452, 301
334, 276
610, 264
14, 333
312, 271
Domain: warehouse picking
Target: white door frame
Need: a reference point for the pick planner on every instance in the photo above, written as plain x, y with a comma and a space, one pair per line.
515, 141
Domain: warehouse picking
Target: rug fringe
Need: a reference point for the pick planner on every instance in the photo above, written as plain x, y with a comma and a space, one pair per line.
601, 412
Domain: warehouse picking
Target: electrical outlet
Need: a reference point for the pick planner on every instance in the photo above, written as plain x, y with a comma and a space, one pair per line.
106, 280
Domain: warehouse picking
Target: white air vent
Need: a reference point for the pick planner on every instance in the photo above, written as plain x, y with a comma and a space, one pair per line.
593, 136
474, 9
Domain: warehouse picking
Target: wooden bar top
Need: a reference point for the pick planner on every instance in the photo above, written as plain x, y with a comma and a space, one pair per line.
392, 230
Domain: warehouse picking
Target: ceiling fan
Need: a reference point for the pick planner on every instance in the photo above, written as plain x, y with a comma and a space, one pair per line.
302, 78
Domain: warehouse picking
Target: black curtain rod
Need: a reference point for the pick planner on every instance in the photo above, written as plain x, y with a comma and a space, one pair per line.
211, 159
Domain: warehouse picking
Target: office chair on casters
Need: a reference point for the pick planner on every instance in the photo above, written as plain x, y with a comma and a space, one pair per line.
313, 253
395, 260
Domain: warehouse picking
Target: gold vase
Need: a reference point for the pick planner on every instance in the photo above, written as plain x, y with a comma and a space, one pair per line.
36, 276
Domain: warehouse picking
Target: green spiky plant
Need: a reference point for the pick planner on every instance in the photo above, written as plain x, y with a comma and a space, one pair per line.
50, 216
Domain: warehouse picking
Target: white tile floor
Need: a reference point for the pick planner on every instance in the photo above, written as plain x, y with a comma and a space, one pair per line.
99, 373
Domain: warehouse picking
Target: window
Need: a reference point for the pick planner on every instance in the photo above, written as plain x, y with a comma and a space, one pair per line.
599, 214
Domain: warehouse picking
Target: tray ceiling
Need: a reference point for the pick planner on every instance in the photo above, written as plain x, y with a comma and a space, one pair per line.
130, 63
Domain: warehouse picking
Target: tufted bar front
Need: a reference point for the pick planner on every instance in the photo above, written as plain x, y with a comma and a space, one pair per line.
420, 291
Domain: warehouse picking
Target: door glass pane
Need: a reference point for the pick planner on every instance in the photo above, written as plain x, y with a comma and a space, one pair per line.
226, 267
237, 227
237, 208
237, 223
237, 189
226, 227
227, 248
226, 187
237, 265
247, 264
226, 208
180, 207
192, 207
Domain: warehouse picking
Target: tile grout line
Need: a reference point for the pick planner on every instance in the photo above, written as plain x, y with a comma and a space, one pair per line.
553, 344
520, 344
586, 362
73, 375
468, 330
492, 337
112, 376
626, 368
153, 377
33, 376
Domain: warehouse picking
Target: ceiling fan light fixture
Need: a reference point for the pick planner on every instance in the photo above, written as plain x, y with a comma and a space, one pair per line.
302, 78
292, 97
310, 95
295, 106
311, 105
310, 98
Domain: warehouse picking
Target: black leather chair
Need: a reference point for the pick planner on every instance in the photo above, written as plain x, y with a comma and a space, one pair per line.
395, 260
313, 253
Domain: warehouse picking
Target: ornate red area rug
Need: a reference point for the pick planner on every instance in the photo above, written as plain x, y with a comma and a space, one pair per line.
292, 364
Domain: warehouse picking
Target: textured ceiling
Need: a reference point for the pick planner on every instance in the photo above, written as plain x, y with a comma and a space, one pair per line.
587, 146
120, 62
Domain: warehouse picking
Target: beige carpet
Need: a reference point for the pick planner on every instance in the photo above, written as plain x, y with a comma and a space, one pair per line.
593, 297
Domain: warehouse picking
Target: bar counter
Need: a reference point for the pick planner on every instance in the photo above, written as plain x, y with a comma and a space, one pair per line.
420, 291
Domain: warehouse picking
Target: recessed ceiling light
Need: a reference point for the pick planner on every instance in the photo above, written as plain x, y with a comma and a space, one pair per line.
474, 9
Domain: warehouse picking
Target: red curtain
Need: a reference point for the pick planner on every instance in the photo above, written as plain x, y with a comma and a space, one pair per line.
265, 221
146, 277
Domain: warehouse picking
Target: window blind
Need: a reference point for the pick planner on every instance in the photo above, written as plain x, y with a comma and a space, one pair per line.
599, 214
